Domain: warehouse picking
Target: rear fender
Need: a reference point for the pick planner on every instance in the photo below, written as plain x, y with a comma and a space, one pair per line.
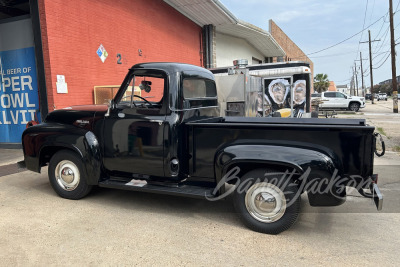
310, 168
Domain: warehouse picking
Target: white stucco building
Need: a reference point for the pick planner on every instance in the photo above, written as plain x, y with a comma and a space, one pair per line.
226, 37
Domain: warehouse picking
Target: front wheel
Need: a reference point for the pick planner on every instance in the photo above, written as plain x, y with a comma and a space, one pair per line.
354, 107
266, 203
67, 176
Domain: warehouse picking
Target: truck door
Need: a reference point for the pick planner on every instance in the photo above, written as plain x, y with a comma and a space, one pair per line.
134, 128
329, 100
342, 101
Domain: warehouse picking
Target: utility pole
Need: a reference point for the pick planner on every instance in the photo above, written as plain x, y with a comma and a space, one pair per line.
353, 87
370, 64
393, 51
355, 71
362, 76
370, 67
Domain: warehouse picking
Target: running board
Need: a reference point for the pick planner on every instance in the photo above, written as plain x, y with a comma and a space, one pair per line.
141, 185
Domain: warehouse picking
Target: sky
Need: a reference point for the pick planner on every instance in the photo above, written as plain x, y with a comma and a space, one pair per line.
316, 25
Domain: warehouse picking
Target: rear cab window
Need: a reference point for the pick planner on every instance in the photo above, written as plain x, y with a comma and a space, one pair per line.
199, 92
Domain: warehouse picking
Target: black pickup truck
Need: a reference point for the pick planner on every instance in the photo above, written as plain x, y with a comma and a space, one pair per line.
170, 139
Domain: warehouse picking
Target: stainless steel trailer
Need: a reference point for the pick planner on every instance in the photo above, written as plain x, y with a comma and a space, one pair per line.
262, 90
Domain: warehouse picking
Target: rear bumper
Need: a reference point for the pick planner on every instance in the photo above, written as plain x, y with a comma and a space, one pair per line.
377, 196
375, 192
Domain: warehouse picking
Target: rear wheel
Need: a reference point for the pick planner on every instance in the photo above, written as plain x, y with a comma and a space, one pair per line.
67, 176
354, 106
267, 205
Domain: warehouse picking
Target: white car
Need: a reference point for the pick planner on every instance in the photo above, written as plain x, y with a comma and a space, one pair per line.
382, 96
337, 100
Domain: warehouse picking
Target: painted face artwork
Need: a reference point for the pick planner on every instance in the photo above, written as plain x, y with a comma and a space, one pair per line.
278, 90
299, 92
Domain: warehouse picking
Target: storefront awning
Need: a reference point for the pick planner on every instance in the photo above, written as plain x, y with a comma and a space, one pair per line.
205, 12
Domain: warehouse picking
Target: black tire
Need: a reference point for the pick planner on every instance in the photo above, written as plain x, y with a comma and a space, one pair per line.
67, 175
270, 216
354, 106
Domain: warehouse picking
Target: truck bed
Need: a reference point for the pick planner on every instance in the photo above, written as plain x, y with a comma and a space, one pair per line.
349, 140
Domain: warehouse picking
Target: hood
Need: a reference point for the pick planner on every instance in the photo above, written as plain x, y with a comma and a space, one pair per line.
80, 116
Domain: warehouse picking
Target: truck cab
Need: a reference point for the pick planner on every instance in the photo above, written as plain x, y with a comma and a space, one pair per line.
142, 131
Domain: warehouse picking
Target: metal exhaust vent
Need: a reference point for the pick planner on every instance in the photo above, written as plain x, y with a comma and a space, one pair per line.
240, 63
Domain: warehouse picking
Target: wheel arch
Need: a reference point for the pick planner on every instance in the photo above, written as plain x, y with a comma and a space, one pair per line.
354, 101
83, 143
302, 165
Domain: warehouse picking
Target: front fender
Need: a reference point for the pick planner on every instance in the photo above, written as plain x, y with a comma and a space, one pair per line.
41, 142
311, 166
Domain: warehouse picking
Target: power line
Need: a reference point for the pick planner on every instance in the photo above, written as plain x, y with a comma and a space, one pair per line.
383, 23
334, 55
378, 54
387, 29
343, 81
342, 54
346, 38
384, 38
372, 11
383, 62
382, 59
383, 42
365, 15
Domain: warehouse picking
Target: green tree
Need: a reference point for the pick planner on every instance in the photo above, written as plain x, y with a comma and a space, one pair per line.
384, 88
321, 82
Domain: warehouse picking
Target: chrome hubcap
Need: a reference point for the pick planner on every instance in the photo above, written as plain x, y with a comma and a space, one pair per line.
265, 202
67, 175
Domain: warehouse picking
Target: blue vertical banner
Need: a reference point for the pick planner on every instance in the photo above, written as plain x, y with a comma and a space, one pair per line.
19, 100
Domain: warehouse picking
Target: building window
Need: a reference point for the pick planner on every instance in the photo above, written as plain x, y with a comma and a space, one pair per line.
256, 61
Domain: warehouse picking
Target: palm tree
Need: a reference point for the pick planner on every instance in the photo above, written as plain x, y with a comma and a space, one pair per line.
321, 82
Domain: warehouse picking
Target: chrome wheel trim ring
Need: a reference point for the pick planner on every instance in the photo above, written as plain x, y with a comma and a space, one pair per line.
67, 175
265, 202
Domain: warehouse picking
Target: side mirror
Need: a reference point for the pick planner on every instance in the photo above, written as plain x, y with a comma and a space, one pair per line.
111, 105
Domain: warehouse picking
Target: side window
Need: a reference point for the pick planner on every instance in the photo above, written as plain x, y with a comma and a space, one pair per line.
340, 95
144, 90
330, 94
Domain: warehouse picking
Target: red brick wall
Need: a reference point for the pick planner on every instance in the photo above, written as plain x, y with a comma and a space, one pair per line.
293, 52
73, 30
